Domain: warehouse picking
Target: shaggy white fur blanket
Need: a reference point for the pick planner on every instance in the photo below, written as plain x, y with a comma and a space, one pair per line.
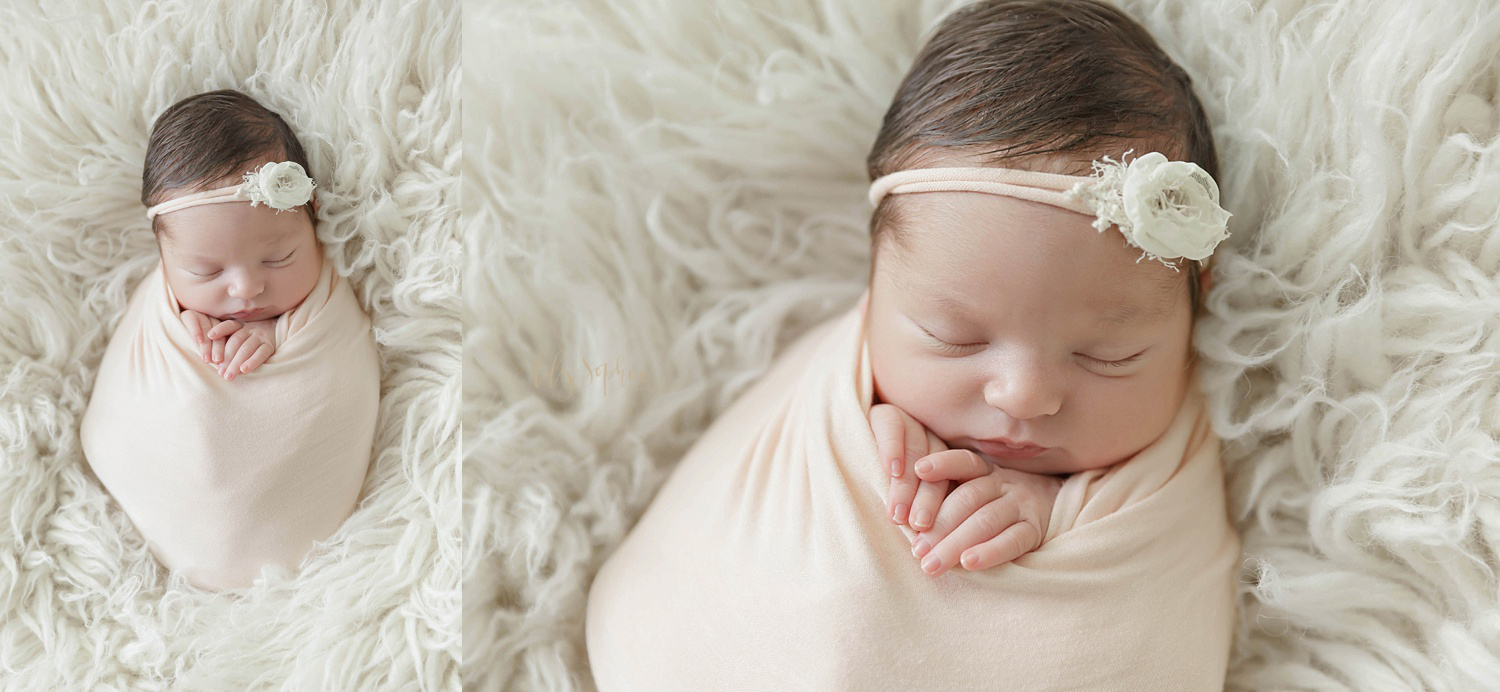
372, 90
675, 189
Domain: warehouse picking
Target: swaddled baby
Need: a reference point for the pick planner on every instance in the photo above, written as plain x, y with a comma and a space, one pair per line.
1038, 242
1016, 385
234, 410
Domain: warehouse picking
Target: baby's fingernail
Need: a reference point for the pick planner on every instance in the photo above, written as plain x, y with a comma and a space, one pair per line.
920, 548
899, 515
922, 520
932, 564
969, 560
896, 467
924, 467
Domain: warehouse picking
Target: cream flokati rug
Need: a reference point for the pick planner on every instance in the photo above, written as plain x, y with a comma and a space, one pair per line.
678, 186
372, 91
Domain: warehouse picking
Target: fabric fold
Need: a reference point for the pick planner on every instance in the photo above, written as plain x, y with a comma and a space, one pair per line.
223, 478
766, 561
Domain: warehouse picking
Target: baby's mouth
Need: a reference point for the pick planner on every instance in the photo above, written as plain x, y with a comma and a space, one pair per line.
247, 314
1001, 449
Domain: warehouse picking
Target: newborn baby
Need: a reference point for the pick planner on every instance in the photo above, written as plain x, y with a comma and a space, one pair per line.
223, 477
1023, 338
1044, 193
236, 268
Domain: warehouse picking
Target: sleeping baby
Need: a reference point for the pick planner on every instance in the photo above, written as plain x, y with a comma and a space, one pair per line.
223, 476
1036, 321
1015, 391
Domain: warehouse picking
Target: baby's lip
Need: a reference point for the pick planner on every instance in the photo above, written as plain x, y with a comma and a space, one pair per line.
1002, 448
246, 314
1012, 443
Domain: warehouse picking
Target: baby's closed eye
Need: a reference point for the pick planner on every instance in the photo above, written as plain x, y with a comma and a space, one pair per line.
1113, 362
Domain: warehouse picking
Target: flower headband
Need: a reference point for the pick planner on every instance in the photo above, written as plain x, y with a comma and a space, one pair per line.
1167, 209
281, 185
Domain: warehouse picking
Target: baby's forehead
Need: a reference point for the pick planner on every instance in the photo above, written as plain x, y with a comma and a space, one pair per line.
1140, 304
222, 229
963, 249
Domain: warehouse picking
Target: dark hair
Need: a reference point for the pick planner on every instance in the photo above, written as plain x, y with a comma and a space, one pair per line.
1009, 79
210, 136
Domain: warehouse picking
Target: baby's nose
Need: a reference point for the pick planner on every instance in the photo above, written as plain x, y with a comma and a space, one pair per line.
1023, 392
246, 288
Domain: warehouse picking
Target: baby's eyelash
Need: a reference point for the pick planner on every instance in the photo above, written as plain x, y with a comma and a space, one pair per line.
943, 346
1116, 363
952, 348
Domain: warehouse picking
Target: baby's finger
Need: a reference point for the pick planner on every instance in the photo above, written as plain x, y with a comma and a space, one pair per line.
218, 351
902, 491
256, 359
890, 438
194, 325
952, 465
224, 329
232, 348
234, 342
956, 507
240, 356
984, 524
1022, 537
925, 506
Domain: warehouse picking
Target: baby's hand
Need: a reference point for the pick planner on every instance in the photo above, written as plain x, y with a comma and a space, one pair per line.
249, 344
995, 516
199, 325
899, 437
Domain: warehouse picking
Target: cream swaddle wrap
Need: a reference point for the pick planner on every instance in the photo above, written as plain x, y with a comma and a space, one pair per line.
223, 477
767, 562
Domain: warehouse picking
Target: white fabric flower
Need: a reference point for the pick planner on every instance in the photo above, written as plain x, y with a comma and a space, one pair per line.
1168, 209
281, 185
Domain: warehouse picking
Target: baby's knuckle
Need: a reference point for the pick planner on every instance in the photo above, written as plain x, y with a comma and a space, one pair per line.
967, 499
989, 523
989, 486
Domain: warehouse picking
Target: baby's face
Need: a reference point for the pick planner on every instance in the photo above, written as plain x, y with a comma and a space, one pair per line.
1008, 320
235, 261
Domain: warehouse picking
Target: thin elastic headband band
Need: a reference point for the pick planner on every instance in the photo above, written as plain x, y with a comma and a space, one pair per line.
1046, 188
1167, 209
215, 196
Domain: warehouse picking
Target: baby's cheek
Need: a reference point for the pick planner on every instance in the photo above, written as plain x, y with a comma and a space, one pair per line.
193, 297
1130, 419
914, 385
295, 286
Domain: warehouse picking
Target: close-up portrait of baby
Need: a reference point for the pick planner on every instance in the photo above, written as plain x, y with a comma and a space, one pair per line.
1043, 199
982, 345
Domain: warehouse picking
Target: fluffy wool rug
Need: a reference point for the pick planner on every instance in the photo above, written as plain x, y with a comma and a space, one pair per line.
674, 190
372, 91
